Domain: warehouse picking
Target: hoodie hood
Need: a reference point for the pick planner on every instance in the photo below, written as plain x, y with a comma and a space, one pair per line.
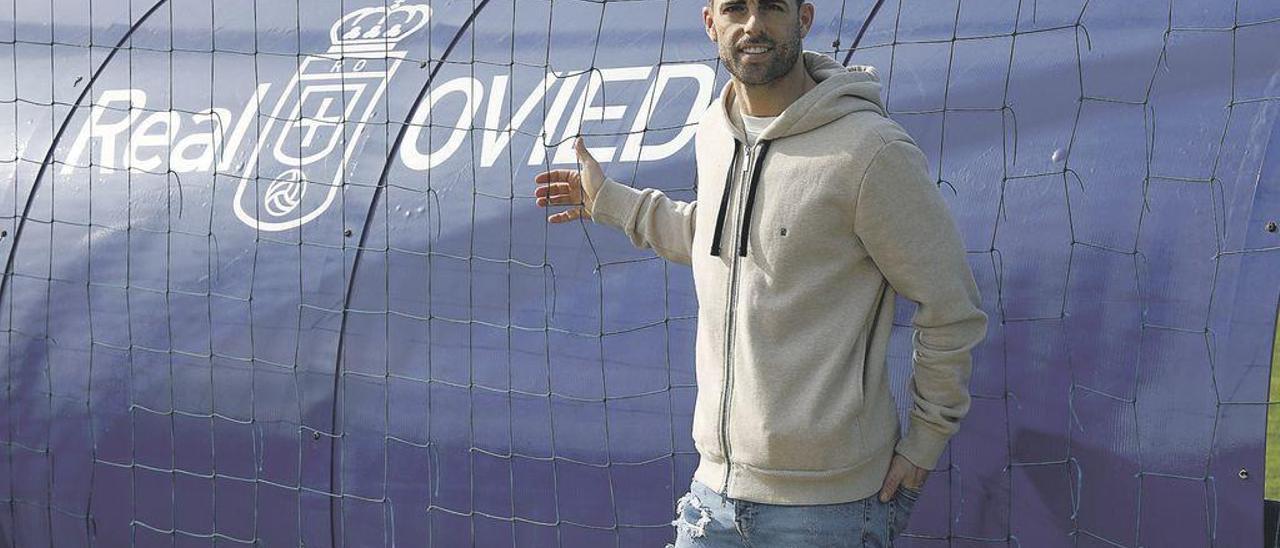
840, 91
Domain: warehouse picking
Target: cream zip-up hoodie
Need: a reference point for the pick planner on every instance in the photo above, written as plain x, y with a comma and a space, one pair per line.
798, 248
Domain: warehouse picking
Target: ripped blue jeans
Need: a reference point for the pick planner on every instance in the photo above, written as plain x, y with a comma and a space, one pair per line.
704, 519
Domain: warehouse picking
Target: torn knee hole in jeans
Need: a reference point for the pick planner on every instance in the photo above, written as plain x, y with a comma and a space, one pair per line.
695, 530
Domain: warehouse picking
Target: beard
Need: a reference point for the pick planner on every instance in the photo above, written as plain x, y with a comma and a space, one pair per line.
777, 62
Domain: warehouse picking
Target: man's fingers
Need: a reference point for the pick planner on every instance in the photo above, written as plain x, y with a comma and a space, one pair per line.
555, 176
556, 196
563, 217
568, 215
552, 189
558, 199
918, 478
887, 492
891, 482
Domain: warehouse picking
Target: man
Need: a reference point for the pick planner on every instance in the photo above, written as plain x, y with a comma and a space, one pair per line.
816, 210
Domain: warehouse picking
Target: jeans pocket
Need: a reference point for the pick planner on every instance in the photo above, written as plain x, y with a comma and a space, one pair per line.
904, 501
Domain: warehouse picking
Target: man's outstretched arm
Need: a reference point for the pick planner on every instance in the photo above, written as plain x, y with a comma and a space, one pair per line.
648, 217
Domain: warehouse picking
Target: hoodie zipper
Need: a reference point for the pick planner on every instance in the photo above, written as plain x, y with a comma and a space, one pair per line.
726, 394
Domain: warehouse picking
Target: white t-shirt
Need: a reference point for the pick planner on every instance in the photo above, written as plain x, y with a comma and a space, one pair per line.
753, 125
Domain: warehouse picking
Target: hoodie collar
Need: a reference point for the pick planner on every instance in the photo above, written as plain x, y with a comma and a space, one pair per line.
840, 91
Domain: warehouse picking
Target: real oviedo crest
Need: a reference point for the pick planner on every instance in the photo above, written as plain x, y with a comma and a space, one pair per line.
296, 171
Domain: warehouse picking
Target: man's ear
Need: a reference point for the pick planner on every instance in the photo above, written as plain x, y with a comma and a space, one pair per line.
806, 18
709, 23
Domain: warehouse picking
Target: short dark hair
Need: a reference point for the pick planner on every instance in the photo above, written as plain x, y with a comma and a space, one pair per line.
712, 3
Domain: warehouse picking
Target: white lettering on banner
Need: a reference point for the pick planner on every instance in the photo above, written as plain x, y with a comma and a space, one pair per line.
473, 91
539, 152
130, 105
588, 112
167, 124
205, 142
250, 116
704, 76
106, 134
291, 168
494, 140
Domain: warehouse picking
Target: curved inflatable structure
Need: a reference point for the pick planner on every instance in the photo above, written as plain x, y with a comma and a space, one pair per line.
274, 274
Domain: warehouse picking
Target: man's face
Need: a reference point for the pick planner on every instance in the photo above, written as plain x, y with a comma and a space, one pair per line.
759, 40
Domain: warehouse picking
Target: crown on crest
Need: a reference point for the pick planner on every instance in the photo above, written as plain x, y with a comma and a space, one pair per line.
380, 24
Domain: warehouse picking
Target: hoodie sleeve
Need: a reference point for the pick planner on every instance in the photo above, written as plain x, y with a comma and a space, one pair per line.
649, 218
909, 233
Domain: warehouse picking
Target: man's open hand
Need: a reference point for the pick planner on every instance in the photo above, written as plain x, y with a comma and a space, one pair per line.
571, 187
902, 471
